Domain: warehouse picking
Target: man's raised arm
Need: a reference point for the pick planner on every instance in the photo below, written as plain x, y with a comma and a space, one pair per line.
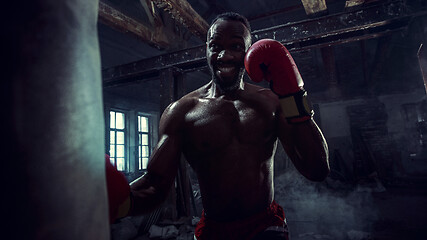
306, 147
301, 138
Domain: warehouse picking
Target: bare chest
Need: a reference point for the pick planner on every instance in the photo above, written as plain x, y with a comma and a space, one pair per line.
214, 125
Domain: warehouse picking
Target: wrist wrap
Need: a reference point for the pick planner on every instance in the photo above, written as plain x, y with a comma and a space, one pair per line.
296, 107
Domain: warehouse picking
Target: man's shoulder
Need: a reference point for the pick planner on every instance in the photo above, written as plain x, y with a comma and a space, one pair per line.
179, 107
185, 103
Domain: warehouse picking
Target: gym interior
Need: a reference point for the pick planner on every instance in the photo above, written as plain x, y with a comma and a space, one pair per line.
84, 79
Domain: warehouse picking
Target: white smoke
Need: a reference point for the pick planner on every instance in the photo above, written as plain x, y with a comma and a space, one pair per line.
316, 211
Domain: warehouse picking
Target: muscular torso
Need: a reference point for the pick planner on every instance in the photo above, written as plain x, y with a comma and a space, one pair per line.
230, 145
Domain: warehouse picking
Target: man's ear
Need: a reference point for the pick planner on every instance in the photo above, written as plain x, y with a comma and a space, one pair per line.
248, 41
249, 45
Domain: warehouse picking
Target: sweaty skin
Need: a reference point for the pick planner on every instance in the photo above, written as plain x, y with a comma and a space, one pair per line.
228, 132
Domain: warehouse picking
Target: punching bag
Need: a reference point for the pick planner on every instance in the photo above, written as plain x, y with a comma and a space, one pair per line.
53, 171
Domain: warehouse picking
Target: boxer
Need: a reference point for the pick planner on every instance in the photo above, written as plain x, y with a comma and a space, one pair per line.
228, 131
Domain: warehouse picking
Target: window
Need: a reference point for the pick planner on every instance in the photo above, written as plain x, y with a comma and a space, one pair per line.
117, 139
143, 142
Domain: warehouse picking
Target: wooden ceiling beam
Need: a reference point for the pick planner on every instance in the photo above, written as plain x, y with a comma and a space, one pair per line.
372, 22
182, 12
120, 22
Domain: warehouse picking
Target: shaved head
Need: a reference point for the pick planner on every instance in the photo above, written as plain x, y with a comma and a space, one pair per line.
231, 16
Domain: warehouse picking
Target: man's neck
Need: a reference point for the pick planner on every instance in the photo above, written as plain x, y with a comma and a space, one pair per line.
216, 91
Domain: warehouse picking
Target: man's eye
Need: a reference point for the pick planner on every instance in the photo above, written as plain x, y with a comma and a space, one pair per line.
238, 47
213, 46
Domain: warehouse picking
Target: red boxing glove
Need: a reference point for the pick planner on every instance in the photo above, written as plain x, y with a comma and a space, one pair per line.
269, 60
118, 191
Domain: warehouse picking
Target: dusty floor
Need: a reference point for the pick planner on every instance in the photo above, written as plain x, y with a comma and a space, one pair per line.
328, 211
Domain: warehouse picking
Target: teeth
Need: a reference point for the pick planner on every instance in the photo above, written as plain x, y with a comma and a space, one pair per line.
226, 69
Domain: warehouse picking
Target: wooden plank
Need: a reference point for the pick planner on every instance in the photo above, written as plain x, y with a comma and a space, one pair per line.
364, 61
122, 23
152, 13
314, 6
329, 64
328, 58
353, 3
422, 60
376, 73
182, 12
336, 26
167, 97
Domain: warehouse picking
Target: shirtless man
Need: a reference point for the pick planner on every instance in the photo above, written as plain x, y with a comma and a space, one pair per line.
228, 131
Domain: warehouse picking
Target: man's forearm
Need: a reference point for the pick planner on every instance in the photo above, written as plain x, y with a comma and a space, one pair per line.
146, 195
311, 150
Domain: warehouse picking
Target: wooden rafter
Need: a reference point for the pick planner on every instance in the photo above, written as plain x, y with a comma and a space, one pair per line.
152, 13
182, 12
122, 23
372, 22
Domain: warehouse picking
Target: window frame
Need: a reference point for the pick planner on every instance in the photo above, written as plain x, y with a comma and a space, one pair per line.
139, 159
113, 157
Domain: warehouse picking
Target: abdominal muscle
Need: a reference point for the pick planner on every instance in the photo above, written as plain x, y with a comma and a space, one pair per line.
230, 144
235, 184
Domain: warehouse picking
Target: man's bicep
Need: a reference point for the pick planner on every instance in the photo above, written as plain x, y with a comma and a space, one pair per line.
165, 158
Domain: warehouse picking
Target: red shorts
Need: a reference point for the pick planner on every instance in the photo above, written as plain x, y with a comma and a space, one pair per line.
244, 229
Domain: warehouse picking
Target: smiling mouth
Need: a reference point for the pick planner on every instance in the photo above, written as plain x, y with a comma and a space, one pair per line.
226, 70
227, 77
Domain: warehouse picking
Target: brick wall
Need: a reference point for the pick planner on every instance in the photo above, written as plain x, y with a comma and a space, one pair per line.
374, 149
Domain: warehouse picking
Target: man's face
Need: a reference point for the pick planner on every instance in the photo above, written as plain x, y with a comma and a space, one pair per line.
227, 44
